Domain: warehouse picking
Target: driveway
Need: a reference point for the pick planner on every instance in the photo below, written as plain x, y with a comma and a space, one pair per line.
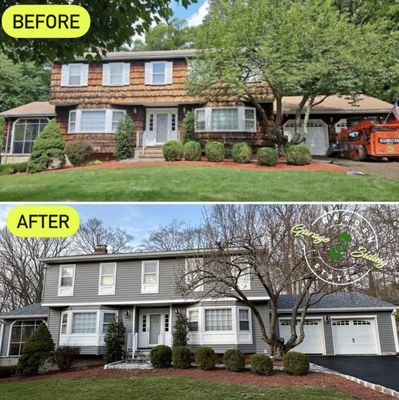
381, 370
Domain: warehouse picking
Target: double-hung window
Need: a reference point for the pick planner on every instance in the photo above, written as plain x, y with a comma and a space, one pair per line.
116, 74
159, 73
150, 276
218, 319
74, 75
108, 319
107, 279
193, 318
66, 280
94, 121
243, 319
64, 323
84, 322
194, 268
241, 271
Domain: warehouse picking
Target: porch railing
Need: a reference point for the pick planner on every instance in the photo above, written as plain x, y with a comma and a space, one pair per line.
135, 344
142, 138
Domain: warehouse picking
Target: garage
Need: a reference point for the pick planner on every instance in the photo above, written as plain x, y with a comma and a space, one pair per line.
354, 336
313, 343
317, 140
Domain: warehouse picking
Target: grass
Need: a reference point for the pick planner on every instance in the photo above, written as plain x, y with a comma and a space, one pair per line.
154, 388
195, 183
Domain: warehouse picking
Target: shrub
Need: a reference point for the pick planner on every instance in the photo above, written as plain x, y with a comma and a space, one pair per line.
261, 364
214, 151
115, 342
228, 152
241, 153
172, 150
188, 127
7, 371
125, 139
161, 356
78, 151
298, 154
192, 151
180, 331
234, 360
296, 363
48, 149
8, 169
205, 358
181, 357
267, 156
37, 349
64, 356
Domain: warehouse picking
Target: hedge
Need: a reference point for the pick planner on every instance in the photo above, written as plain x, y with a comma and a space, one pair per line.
78, 151
161, 356
172, 150
267, 156
298, 154
181, 357
192, 151
234, 360
261, 364
242, 153
205, 358
214, 151
296, 363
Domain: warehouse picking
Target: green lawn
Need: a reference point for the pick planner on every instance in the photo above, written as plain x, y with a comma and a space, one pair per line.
195, 183
154, 388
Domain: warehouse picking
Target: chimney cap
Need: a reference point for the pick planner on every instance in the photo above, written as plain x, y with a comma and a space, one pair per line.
101, 249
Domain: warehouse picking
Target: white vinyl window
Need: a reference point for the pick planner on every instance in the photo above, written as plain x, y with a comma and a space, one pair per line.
225, 119
108, 319
193, 320
107, 279
150, 277
193, 274
25, 131
84, 323
74, 75
94, 121
66, 280
243, 319
116, 74
218, 319
159, 73
64, 323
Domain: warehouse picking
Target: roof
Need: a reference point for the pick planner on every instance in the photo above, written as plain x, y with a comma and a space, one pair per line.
144, 55
337, 300
340, 105
34, 109
33, 310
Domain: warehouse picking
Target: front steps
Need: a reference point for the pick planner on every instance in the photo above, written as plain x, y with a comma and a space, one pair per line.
149, 153
141, 360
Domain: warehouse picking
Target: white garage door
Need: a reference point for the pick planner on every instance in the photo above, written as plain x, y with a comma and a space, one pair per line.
354, 336
317, 139
313, 343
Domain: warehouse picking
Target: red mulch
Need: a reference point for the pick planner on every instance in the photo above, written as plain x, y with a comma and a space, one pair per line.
279, 378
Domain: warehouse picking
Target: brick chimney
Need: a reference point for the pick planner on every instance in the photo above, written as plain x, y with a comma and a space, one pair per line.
101, 249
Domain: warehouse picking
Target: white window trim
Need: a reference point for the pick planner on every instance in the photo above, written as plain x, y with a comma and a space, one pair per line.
168, 77
249, 319
104, 290
241, 119
106, 81
70, 323
69, 291
1, 334
78, 120
67, 323
101, 333
153, 288
84, 73
233, 320
199, 288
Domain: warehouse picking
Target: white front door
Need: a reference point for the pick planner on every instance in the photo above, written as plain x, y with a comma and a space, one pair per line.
161, 126
154, 328
354, 336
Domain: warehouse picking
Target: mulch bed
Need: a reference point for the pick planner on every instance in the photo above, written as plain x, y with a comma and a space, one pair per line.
279, 378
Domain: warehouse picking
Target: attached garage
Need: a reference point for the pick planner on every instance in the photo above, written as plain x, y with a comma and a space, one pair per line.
355, 336
313, 343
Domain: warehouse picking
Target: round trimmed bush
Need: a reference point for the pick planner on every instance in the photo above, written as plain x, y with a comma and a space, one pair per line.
172, 150
261, 364
214, 151
192, 151
161, 356
205, 358
181, 357
241, 153
295, 363
78, 151
298, 154
267, 156
234, 360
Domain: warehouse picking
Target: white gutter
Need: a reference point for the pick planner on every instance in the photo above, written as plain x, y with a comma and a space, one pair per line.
339, 309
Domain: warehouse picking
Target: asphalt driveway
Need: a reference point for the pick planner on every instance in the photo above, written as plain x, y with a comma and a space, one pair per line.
381, 370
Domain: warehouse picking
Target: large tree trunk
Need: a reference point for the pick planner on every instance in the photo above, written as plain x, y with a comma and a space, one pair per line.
298, 120
279, 138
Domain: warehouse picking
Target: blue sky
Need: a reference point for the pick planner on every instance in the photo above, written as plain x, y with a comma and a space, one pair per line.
193, 14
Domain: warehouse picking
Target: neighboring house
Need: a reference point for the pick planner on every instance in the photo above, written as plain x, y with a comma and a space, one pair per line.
85, 293
16, 327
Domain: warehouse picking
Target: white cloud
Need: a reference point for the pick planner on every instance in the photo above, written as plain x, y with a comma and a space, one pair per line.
197, 18
3, 215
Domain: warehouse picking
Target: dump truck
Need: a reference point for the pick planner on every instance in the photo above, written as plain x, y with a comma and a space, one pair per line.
368, 139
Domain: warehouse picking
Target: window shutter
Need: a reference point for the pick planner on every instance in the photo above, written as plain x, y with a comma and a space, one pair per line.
64, 75
85, 75
148, 74
169, 73
126, 74
106, 74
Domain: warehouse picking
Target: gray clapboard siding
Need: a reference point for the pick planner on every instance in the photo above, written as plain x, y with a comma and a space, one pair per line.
54, 324
385, 329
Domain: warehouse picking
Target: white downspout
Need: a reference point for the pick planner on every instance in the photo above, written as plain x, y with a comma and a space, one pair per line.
395, 331
1, 334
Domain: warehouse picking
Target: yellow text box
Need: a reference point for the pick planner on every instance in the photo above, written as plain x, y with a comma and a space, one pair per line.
46, 21
43, 221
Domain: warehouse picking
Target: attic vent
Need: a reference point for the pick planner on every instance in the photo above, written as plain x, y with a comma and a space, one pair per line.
101, 249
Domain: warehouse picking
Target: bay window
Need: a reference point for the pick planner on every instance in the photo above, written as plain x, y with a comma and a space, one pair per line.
149, 276
94, 121
107, 279
66, 280
225, 119
24, 133
218, 319
84, 323
21, 331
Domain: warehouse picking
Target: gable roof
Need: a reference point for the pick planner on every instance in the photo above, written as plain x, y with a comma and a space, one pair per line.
33, 109
339, 105
33, 310
339, 301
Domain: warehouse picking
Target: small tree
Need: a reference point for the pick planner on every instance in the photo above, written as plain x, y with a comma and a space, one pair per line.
125, 138
180, 331
189, 127
48, 149
38, 348
115, 342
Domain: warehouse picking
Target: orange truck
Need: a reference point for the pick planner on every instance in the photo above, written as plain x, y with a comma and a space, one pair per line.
368, 139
